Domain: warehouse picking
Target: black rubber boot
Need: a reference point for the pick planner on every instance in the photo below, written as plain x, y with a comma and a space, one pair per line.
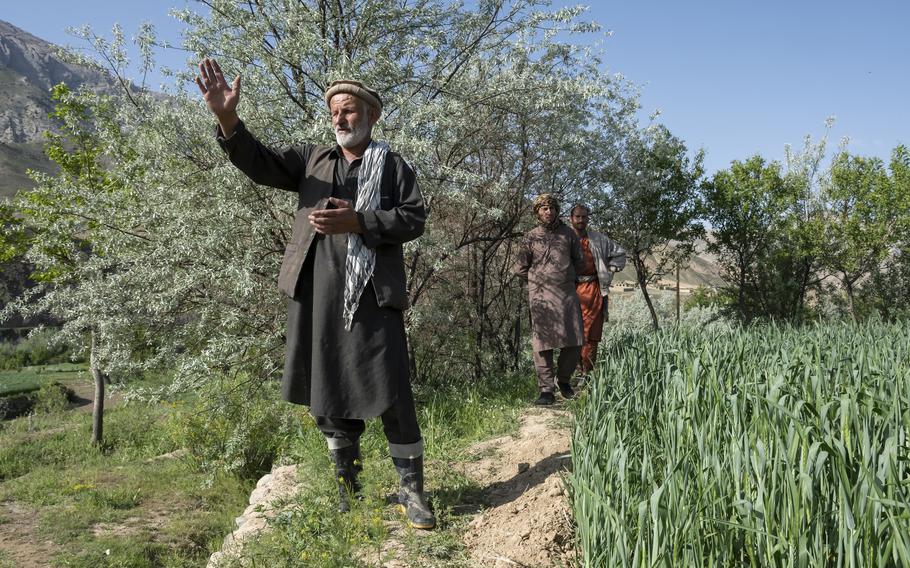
347, 466
546, 399
565, 389
411, 499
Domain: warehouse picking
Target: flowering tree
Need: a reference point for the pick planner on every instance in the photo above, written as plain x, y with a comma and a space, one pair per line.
55, 234
486, 102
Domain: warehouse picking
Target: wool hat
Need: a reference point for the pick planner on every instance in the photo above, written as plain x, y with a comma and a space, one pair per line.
355, 88
546, 199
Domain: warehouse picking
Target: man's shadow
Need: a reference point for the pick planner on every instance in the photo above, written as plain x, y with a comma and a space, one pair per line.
502, 492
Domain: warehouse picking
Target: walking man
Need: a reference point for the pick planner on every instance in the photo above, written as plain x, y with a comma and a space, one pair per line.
548, 259
603, 258
343, 271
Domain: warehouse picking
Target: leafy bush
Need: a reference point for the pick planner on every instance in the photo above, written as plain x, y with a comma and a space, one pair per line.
630, 313
703, 297
53, 397
38, 348
889, 288
235, 426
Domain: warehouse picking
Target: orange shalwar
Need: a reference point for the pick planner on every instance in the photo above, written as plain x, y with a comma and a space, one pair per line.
592, 308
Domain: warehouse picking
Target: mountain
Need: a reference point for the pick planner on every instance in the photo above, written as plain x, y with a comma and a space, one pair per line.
29, 67
701, 270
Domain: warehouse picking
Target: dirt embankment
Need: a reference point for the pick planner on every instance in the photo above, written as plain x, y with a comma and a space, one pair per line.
528, 522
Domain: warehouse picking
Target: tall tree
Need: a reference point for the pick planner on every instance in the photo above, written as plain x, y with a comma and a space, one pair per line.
745, 206
888, 285
650, 199
799, 248
863, 210
56, 236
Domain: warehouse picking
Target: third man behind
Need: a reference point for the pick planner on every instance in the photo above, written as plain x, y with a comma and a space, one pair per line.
603, 257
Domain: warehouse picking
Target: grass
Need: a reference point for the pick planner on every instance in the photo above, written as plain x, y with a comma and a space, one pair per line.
29, 379
453, 417
119, 504
769, 446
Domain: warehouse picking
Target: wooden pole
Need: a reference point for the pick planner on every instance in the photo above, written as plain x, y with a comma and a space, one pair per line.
677, 294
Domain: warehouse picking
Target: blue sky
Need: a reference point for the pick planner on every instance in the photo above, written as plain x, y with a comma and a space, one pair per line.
734, 77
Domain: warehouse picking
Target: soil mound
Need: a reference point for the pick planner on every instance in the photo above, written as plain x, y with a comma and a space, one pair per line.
528, 522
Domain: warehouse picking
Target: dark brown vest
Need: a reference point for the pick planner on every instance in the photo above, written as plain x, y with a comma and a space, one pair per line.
314, 192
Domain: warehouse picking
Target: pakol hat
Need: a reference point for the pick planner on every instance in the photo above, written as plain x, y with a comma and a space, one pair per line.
546, 199
355, 88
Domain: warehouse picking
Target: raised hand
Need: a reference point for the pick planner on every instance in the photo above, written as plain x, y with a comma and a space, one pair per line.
221, 98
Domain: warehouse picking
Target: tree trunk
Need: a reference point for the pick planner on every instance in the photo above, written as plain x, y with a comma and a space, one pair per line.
516, 339
851, 300
479, 268
805, 273
677, 295
643, 285
741, 294
98, 404
412, 358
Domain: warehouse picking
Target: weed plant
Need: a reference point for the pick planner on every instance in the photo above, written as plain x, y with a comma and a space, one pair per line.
767, 446
235, 426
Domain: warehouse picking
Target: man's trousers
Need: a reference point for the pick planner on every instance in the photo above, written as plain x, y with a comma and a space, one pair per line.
399, 422
566, 363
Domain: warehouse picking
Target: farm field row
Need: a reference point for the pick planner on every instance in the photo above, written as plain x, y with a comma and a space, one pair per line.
767, 446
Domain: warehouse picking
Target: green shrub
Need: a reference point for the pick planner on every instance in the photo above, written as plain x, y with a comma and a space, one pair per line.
704, 297
52, 397
235, 426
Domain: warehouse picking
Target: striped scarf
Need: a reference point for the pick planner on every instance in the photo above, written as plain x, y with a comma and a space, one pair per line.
361, 260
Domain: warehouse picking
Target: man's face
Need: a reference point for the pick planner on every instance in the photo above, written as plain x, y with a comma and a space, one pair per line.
352, 120
546, 214
579, 219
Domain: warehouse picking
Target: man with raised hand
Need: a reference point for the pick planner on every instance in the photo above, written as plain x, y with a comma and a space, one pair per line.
603, 258
548, 259
343, 271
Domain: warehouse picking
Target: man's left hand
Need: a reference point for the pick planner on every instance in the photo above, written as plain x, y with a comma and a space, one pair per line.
341, 219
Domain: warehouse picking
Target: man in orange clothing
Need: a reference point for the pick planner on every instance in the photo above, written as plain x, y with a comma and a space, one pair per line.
603, 258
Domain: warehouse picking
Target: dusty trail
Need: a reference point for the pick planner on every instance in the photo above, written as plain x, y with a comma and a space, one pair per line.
528, 522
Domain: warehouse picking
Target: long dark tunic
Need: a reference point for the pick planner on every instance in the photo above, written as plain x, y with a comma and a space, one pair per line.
340, 373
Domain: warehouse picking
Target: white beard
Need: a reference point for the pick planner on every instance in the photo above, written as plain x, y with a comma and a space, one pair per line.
354, 137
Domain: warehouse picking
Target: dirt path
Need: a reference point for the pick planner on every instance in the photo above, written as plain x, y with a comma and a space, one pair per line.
523, 517
85, 397
19, 539
528, 522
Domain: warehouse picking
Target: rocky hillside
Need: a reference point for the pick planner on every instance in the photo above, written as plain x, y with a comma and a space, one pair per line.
29, 67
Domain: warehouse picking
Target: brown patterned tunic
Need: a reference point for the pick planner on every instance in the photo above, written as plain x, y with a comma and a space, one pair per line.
549, 261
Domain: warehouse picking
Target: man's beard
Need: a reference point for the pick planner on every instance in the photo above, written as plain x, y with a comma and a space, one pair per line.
355, 136
552, 225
